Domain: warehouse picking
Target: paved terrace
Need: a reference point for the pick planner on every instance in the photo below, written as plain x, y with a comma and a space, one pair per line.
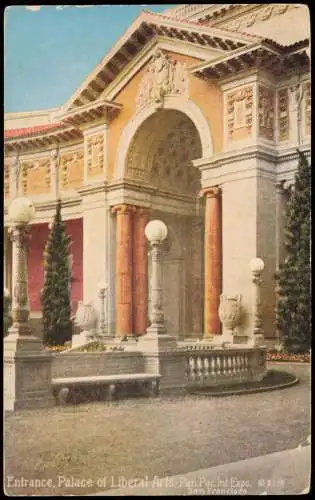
147, 438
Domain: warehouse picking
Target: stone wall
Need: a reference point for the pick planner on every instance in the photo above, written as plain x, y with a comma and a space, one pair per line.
83, 364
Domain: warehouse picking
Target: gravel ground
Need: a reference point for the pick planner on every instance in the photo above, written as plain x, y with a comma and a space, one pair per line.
151, 437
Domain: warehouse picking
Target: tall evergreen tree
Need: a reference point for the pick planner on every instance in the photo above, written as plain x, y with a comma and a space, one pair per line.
56, 295
294, 286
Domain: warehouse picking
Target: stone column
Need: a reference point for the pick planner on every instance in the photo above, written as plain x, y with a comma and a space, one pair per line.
124, 323
213, 262
140, 268
20, 302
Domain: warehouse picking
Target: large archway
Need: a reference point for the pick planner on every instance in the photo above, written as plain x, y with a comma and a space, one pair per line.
160, 157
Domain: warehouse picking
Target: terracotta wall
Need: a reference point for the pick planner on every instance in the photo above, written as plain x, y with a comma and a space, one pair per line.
206, 95
39, 235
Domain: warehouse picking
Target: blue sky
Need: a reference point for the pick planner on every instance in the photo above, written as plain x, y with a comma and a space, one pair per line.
49, 51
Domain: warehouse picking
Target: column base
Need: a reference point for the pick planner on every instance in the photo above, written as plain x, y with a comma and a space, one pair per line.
27, 373
256, 340
156, 343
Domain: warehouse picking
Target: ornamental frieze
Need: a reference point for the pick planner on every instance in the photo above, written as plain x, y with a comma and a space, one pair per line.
71, 169
266, 112
258, 16
283, 114
36, 176
163, 76
307, 108
240, 113
95, 154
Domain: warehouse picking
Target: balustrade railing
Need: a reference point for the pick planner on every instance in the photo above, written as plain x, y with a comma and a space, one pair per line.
209, 366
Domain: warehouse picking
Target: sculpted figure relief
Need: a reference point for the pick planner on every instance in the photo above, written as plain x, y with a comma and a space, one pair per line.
163, 76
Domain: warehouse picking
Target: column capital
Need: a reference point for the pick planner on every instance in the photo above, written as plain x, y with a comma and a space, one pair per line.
280, 187
210, 192
142, 211
123, 209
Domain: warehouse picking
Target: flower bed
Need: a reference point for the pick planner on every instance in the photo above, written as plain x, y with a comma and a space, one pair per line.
284, 356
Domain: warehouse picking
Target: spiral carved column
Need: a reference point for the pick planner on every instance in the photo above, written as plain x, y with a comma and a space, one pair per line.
20, 303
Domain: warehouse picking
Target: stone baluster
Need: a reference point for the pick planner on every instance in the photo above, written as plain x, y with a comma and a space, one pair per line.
229, 365
213, 365
206, 366
199, 368
219, 359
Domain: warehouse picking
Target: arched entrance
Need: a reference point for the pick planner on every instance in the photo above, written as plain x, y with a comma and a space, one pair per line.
159, 161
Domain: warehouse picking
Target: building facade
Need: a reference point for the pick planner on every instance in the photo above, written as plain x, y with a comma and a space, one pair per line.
193, 117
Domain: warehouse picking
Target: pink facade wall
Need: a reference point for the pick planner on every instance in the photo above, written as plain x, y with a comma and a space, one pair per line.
39, 235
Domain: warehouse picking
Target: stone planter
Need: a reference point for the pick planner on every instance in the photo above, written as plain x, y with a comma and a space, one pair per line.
230, 312
86, 319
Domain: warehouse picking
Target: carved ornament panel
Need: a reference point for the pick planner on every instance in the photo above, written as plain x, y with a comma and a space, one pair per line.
6, 180
172, 167
258, 16
71, 169
283, 114
240, 113
307, 108
36, 176
163, 76
95, 154
266, 112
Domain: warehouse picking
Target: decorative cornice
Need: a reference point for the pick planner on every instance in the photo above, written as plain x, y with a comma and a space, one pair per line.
265, 54
257, 151
93, 189
146, 189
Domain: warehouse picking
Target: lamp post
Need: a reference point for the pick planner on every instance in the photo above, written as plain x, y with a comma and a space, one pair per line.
156, 232
21, 212
102, 293
27, 366
257, 266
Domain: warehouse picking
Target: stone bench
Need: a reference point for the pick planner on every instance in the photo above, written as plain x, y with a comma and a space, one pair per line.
107, 385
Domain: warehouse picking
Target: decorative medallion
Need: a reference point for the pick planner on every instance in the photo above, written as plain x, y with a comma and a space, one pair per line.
163, 76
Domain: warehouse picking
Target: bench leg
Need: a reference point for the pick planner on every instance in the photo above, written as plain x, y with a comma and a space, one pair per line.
62, 395
110, 392
155, 388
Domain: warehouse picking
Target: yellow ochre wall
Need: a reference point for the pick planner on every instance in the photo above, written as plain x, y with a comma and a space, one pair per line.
204, 94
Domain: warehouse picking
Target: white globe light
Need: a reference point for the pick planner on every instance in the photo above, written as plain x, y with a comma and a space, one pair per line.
256, 265
21, 210
156, 230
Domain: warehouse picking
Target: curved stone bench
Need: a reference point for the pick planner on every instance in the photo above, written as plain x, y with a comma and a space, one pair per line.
148, 384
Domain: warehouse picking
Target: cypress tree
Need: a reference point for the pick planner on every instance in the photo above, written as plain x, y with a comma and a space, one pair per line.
294, 276
56, 295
